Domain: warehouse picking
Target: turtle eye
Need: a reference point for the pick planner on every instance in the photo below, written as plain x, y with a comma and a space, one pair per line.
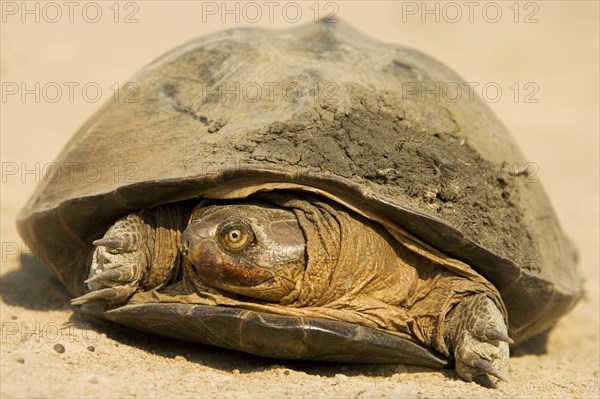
236, 237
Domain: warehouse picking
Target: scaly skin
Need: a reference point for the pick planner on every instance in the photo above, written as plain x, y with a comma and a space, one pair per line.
140, 250
477, 337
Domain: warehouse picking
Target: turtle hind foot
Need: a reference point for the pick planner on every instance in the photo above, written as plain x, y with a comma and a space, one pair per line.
477, 335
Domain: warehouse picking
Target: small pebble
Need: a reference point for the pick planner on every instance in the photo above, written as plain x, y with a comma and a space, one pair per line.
341, 378
93, 380
91, 348
286, 372
20, 360
13, 317
215, 127
236, 371
59, 348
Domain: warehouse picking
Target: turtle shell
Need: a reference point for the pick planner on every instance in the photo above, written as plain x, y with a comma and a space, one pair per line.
326, 109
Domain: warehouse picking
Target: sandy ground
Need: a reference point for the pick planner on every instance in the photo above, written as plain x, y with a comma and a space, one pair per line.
558, 53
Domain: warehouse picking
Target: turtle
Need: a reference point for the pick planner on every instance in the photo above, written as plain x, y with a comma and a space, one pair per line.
307, 194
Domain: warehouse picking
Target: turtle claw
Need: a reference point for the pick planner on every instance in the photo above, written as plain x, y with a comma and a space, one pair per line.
478, 366
115, 245
111, 295
484, 381
484, 332
496, 336
110, 242
123, 274
474, 366
111, 283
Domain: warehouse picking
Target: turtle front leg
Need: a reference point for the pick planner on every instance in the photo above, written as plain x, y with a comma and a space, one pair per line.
120, 261
140, 251
477, 336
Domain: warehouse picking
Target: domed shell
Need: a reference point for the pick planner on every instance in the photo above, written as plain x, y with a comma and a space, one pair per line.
326, 109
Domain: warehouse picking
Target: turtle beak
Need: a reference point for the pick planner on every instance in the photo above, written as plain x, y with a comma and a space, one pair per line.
193, 238
199, 246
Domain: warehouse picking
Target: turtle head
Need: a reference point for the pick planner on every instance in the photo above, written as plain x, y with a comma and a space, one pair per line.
252, 249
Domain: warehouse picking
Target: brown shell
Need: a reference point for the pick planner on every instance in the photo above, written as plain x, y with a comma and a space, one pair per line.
321, 108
